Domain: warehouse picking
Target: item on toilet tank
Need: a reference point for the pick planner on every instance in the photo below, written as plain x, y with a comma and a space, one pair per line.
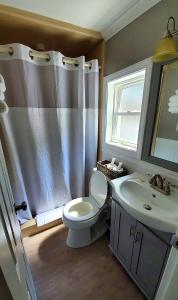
111, 165
111, 172
119, 170
113, 161
120, 165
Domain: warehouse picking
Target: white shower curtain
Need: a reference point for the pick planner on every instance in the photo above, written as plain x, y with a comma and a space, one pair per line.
51, 129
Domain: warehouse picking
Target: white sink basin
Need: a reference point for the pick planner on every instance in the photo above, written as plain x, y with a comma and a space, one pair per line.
146, 204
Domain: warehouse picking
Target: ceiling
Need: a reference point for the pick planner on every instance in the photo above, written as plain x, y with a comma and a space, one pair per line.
105, 16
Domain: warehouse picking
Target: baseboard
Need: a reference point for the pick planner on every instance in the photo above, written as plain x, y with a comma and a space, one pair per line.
30, 228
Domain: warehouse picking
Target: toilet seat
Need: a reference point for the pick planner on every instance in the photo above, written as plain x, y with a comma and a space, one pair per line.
81, 209
85, 208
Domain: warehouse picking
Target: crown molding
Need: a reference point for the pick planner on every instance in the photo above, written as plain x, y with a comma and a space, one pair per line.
127, 16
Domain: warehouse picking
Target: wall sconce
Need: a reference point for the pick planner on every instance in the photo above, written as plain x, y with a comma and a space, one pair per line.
166, 48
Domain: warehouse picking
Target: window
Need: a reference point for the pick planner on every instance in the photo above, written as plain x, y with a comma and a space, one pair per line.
124, 92
128, 94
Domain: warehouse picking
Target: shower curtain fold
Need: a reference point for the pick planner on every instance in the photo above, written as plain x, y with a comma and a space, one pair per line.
51, 129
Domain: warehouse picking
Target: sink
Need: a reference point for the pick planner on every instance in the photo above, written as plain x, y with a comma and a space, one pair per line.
147, 205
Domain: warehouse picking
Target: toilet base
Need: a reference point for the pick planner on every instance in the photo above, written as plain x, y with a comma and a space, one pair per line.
78, 238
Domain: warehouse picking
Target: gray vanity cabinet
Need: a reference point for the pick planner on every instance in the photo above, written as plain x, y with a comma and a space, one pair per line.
142, 252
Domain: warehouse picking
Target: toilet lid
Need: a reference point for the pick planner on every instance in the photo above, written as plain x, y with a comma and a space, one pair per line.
99, 188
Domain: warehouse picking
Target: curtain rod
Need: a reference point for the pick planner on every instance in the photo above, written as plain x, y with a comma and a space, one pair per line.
46, 56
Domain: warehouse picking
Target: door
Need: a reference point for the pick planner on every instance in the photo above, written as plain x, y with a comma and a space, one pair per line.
13, 261
149, 254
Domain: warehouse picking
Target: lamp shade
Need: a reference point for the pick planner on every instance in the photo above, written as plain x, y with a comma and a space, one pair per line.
165, 50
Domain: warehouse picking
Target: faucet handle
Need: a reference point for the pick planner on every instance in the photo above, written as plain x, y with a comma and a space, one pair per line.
152, 180
159, 181
167, 187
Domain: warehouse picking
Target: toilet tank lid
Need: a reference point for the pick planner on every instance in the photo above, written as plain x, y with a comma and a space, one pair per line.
99, 188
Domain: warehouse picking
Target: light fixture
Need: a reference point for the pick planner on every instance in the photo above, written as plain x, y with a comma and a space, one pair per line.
166, 48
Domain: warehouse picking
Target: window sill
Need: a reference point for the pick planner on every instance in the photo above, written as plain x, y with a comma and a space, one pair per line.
121, 146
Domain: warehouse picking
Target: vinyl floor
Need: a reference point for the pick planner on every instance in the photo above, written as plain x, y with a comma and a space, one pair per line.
62, 273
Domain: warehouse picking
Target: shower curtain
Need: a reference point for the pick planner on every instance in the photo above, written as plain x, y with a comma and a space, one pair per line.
51, 129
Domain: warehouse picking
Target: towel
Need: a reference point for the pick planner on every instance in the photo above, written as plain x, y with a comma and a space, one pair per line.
49, 216
3, 107
173, 110
173, 100
2, 96
173, 104
2, 84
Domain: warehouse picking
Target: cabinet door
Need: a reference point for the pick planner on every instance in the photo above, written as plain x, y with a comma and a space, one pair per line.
126, 232
149, 254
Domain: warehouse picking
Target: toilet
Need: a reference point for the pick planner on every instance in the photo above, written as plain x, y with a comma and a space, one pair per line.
85, 217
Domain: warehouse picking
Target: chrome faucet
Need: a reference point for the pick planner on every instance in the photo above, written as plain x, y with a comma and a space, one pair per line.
159, 184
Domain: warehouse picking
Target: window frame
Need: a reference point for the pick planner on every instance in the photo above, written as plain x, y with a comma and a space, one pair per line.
108, 109
119, 87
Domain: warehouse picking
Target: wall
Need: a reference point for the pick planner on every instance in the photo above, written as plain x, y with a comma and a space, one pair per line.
132, 44
43, 33
137, 40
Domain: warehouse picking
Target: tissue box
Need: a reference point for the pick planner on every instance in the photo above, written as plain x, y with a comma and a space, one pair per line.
101, 166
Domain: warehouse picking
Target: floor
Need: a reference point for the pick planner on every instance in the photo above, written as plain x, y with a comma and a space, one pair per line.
87, 273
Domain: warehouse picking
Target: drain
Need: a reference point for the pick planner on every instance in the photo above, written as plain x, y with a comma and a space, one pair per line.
147, 207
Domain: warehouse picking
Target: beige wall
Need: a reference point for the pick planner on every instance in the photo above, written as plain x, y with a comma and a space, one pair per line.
137, 40
132, 44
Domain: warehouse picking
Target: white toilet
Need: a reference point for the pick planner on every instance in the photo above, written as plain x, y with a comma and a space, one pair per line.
85, 216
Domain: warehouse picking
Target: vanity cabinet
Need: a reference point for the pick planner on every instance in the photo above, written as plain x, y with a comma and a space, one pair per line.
142, 251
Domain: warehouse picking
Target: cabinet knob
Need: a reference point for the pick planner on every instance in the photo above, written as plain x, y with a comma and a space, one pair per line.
22, 206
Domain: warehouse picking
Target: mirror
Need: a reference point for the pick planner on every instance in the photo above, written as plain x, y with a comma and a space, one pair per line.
161, 134
165, 136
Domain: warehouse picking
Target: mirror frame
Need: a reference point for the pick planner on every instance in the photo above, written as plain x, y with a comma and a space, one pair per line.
152, 111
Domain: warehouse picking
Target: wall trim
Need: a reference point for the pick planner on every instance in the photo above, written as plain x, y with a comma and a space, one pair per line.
127, 16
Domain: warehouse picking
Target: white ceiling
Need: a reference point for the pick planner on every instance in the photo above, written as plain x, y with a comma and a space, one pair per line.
106, 16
